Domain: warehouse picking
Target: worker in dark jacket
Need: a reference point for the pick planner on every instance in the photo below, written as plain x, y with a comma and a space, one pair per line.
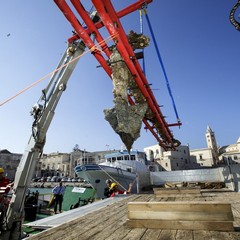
58, 192
107, 190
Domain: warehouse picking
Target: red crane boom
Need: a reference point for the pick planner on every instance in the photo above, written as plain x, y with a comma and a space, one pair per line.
109, 19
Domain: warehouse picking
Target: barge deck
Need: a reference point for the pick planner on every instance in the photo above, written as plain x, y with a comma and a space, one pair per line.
107, 221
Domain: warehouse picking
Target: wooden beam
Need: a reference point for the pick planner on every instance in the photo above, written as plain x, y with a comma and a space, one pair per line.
160, 191
181, 215
181, 225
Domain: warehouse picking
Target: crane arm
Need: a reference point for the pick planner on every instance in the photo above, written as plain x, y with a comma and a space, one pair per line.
43, 113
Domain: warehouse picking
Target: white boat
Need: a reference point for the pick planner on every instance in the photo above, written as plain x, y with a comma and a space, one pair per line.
121, 167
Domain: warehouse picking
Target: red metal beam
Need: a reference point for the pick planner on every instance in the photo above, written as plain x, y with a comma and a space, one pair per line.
91, 26
130, 51
105, 10
111, 19
82, 33
131, 8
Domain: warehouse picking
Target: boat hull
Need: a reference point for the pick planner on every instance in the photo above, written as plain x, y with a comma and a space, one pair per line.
97, 175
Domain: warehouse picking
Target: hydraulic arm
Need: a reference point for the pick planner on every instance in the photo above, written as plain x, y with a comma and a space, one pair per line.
43, 113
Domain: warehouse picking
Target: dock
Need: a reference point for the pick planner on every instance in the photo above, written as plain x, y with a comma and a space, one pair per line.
107, 220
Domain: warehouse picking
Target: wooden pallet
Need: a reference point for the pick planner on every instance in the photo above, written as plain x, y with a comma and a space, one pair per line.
159, 192
181, 215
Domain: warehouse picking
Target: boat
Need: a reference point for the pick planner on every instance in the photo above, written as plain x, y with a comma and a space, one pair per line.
121, 167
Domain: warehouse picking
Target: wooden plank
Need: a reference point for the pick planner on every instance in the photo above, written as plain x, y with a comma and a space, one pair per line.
185, 195
180, 211
151, 234
181, 225
180, 215
134, 234
167, 234
225, 235
120, 233
184, 235
159, 191
202, 235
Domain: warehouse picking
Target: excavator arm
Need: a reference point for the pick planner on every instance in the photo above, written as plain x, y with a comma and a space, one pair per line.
43, 113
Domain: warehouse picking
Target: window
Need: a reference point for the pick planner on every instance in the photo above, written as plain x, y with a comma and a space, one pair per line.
166, 164
133, 157
126, 157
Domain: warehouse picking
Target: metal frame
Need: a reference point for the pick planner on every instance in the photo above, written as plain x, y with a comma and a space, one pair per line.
109, 19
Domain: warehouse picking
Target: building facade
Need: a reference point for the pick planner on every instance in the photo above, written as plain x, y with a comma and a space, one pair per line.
183, 158
63, 164
169, 160
9, 161
54, 164
230, 154
202, 158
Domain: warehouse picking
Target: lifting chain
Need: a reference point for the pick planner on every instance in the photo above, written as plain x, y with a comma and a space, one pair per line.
234, 22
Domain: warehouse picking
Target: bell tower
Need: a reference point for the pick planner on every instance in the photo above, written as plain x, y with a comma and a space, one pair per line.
212, 143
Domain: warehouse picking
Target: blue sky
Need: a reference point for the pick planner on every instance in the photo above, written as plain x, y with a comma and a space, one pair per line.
200, 50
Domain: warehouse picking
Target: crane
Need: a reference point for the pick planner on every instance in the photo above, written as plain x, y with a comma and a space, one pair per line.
152, 117
138, 93
43, 113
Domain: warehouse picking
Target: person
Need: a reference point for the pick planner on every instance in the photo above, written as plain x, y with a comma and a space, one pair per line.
116, 191
5, 187
107, 190
58, 192
5, 182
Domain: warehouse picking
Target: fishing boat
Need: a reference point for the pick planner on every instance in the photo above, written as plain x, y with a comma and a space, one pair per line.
121, 167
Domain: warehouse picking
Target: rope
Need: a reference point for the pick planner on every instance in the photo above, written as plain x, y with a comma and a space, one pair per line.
94, 48
116, 180
112, 178
162, 65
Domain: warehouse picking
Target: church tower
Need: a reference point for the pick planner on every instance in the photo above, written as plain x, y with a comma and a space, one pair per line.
212, 144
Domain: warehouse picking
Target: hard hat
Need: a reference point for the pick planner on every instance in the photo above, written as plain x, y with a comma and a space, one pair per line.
108, 181
1, 170
113, 185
